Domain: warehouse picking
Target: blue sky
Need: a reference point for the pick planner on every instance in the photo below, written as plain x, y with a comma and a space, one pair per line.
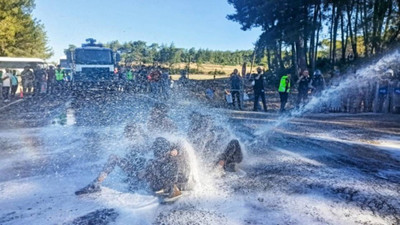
186, 23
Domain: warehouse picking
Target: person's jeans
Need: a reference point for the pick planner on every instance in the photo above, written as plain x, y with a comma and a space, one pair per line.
302, 97
257, 95
284, 97
6, 91
236, 95
154, 88
13, 90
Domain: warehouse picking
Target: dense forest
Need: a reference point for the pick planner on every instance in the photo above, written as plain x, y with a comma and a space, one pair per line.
316, 33
139, 52
20, 34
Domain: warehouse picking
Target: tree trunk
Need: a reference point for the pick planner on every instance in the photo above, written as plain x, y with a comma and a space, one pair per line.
294, 60
300, 53
269, 58
319, 29
312, 40
281, 66
331, 32
335, 29
375, 28
353, 36
364, 18
253, 59
390, 8
343, 59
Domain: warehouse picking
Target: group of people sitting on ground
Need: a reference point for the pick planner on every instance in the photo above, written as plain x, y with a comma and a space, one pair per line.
164, 165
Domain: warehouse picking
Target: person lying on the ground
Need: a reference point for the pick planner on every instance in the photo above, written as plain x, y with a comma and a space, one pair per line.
167, 173
231, 157
159, 121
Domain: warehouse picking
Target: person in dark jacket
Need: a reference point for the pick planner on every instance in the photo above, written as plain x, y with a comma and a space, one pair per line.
303, 87
40, 79
231, 157
51, 79
159, 121
28, 78
258, 87
167, 174
236, 87
317, 83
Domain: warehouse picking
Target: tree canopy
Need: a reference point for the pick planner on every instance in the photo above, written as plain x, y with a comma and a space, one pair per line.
20, 34
140, 52
305, 32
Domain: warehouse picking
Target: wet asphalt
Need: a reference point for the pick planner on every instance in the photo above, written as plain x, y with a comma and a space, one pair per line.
335, 157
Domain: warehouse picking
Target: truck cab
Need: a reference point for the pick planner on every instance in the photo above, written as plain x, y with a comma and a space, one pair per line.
92, 64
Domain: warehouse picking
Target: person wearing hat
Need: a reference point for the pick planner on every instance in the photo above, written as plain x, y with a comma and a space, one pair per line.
317, 83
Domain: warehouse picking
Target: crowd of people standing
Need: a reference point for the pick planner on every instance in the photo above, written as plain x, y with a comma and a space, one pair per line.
364, 96
258, 84
32, 81
39, 81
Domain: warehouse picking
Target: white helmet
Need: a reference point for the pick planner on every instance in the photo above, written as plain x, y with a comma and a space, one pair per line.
317, 73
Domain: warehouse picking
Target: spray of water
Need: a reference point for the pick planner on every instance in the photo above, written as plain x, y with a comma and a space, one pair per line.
347, 82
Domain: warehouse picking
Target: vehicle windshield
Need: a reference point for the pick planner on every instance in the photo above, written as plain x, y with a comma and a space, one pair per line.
93, 56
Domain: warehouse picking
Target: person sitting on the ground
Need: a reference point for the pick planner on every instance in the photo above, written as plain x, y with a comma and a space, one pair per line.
167, 173
159, 121
231, 157
207, 138
199, 133
134, 160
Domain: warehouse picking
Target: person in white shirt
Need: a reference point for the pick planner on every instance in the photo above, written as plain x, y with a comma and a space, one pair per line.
6, 84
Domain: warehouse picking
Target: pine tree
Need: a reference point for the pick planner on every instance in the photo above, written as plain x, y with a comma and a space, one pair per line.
20, 34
